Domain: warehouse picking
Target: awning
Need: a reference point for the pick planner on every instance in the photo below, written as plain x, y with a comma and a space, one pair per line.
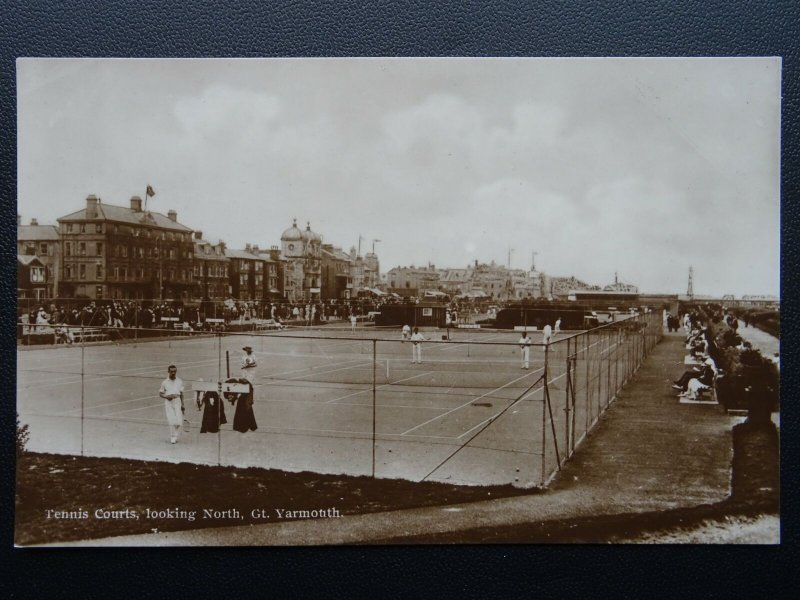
377, 292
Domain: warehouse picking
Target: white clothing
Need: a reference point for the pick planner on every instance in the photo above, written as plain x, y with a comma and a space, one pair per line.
547, 335
525, 346
353, 322
416, 348
406, 332
172, 407
558, 326
249, 365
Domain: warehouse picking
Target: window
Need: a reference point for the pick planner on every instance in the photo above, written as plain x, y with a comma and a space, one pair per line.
124, 250
149, 252
30, 248
68, 249
99, 271
69, 227
98, 291
124, 273
82, 271
82, 248
99, 246
37, 274
98, 228
116, 272
172, 252
43, 247
83, 227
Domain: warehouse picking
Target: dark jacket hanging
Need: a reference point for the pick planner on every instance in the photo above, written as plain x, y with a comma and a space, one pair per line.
213, 413
243, 419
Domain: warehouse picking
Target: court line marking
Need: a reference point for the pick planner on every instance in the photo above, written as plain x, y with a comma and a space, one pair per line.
378, 387
152, 395
497, 413
472, 400
92, 377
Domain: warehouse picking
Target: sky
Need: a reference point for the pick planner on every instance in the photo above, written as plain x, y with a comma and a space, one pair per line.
641, 167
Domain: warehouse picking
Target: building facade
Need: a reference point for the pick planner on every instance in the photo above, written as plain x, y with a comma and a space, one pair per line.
41, 241
302, 251
31, 277
337, 282
209, 270
119, 252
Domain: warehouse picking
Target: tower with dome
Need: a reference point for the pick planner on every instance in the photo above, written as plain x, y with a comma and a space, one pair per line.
302, 250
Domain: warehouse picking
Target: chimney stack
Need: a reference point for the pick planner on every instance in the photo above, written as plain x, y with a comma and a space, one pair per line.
136, 204
255, 248
198, 235
34, 222
172, 215
91, 206
247, 248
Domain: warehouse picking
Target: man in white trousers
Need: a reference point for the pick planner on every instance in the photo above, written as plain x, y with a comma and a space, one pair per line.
547, 336
525, 349
172, 393
416, 348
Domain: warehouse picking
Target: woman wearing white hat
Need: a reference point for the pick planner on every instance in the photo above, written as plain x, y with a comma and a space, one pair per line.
249, 364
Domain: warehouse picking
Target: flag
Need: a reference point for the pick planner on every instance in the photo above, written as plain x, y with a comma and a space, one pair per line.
150, 191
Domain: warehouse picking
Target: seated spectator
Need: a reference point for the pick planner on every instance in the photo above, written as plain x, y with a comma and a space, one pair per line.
704, 375
64, 335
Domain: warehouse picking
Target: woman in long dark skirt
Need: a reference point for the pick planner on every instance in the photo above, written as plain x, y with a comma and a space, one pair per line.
243, 419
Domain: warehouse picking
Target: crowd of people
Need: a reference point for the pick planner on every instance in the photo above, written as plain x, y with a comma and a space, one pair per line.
703, 356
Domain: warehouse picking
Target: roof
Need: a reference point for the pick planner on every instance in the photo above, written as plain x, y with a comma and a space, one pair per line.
241, 254
200, 254
121, 214
28, 259
37, 233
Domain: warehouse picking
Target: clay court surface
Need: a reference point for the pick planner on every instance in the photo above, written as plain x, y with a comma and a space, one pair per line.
332, 401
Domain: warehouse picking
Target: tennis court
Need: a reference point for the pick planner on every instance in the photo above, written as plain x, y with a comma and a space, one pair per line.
334, 400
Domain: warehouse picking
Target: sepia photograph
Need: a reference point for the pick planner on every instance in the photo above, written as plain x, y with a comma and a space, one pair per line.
384, 301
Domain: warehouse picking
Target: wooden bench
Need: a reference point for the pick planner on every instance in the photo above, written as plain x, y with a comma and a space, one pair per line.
89, 335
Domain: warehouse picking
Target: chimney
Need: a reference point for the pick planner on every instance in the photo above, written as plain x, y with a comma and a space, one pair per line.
34, 222
198, 235
247, 248
136, 204
173, 216
91, 206
255, 248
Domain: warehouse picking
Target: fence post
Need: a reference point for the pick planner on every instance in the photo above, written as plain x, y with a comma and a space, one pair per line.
586, 358
374, 400
567, 408
544, 419
83, 351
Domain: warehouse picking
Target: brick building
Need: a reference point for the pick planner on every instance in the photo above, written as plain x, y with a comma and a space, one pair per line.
112, 251
41, 241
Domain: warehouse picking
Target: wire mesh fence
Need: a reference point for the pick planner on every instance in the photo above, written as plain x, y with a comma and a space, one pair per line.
463, 406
